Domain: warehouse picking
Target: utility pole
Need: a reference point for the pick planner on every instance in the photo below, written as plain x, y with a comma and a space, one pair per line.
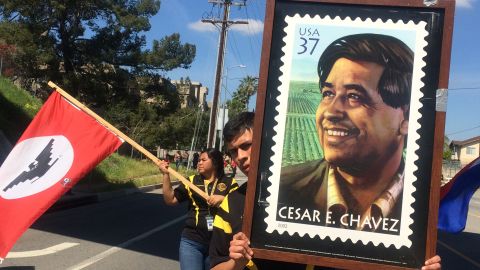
224, 25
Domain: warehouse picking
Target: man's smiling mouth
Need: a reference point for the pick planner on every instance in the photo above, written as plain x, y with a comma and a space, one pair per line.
340, 133
336, 135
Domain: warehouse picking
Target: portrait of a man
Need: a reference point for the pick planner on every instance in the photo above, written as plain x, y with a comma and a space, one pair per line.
362, 124
347, 134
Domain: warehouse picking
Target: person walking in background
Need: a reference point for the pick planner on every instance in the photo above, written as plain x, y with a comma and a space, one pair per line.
195, 158
234, 167
226, 164
185, 157
178, 159
195, 239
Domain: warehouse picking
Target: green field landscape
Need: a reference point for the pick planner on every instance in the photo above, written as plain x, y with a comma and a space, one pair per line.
301, 141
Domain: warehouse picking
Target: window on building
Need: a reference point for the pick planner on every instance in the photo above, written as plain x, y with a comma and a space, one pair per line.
471, 150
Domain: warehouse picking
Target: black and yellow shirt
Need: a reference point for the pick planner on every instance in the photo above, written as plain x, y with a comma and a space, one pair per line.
228, 222
196, 225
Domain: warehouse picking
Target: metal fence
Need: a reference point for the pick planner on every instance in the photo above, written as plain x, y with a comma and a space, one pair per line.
449, 169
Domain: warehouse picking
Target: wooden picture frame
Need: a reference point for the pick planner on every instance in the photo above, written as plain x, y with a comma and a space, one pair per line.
290, 227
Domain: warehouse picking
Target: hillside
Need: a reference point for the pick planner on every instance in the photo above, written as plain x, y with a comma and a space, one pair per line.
17, 109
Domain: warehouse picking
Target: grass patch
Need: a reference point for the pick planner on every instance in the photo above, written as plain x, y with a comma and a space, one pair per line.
120, 168
118, 172
19, 97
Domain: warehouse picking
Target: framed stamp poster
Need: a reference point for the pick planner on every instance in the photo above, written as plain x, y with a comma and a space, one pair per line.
348, 132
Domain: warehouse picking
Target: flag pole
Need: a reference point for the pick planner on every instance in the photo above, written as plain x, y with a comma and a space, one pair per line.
126, 138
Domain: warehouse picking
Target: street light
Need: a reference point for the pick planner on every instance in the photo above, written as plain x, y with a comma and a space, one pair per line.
226, 80
225, 100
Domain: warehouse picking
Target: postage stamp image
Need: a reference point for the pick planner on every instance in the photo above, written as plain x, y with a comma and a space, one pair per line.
346, 129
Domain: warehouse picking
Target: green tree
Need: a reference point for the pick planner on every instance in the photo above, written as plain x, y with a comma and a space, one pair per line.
7, 53
239, 102
447, 152
96, 50
92, 48
176, 131
169, 53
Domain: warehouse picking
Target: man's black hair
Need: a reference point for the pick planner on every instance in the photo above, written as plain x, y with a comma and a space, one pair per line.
395, 56
237, 126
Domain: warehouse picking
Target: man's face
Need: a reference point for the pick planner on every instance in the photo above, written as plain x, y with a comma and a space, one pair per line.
355, 127
240, 149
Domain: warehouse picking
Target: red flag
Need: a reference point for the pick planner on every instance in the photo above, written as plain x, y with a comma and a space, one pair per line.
61, 145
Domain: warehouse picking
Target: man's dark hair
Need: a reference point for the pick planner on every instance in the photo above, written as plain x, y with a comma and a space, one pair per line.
395, 56
217, 161
237, 125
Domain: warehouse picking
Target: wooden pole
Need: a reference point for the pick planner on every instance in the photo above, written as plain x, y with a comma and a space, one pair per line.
126, 138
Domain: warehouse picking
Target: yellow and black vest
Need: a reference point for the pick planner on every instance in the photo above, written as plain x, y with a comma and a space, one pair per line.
196, 226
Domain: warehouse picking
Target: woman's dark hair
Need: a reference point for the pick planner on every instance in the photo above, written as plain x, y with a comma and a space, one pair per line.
395, 56
217, 161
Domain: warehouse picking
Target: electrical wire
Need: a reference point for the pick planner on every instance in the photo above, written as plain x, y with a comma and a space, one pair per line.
461, 131
464, 88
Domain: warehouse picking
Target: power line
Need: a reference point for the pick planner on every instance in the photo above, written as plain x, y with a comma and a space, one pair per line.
225, 23
234, 48
250, 34
464, 88
258, 16
465, 130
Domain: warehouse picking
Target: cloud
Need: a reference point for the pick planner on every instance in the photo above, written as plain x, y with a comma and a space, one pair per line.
463, 79
252, 28
465, 3
200, 26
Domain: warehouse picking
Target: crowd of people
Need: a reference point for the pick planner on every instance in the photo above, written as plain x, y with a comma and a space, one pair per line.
181, 158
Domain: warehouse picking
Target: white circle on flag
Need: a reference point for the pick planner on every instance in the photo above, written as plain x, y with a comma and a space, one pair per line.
34, 165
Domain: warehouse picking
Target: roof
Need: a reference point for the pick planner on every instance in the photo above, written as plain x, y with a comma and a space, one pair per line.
465, 142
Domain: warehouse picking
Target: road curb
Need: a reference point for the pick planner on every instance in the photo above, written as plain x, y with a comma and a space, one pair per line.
79, 199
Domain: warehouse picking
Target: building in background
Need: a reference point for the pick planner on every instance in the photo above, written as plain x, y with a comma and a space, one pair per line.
465, 151
192, 94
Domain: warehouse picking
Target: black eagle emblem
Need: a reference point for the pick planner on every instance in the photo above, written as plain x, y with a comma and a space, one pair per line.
37, 168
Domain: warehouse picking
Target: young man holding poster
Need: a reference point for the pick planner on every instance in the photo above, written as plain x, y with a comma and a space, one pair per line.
229, 247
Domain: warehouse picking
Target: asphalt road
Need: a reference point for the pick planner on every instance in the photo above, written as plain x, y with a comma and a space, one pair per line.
140, 232
133, 232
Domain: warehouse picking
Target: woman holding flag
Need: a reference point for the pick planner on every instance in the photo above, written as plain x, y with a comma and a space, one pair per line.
195, 239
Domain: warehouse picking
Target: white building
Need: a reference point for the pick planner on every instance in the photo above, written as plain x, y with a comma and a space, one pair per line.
191, 93
465, 151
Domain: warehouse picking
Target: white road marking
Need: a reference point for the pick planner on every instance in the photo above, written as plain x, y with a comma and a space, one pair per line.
123, 245
456, 252
41, 252
471, 214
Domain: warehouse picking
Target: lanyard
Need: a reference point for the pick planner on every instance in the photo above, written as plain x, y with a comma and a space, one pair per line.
213, 189
211, 193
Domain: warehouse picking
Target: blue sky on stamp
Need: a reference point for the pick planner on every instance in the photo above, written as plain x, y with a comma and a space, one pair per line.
244, 48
